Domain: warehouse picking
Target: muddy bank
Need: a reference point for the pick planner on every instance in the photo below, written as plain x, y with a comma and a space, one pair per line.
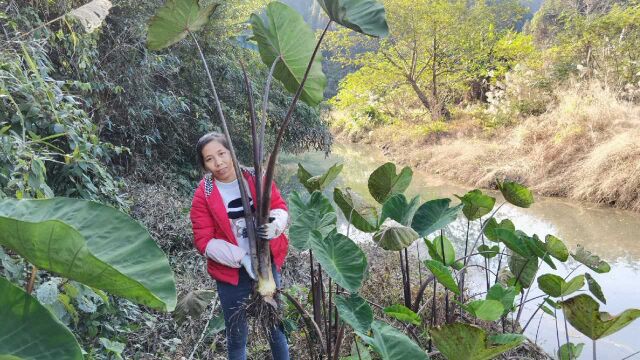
587, 148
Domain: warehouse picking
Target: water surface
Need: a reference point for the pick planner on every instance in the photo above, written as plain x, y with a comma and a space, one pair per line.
610, 233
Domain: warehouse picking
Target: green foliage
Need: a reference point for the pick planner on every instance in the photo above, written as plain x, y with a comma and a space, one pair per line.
515, 193
590, 260
488, 310
595, 288
476, 204
443, 275
392, 344
402, 313
49, 144
441, 249
394, 236
318, 182
315, 215
26, 321
363, 216
355, 311
583, 313
283, 36
434, 215
341, 258
397, 208
384, 182
175, 20
554, 285
364, 16
556, 248
464, 341
492, 225
570, 351
61, 235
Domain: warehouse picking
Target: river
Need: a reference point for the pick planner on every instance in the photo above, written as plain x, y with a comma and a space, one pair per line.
612, 234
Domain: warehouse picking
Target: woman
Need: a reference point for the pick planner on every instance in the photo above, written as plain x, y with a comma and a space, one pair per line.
219, 229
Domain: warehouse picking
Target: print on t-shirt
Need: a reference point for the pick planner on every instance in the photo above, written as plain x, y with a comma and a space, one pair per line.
236, 216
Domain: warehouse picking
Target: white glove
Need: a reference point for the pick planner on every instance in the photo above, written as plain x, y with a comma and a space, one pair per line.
246, 262
275, 227
225, 253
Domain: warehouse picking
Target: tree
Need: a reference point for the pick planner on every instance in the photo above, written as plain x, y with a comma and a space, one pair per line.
436, 49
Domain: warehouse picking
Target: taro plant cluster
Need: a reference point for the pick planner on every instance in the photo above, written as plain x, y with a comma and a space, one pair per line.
339, 268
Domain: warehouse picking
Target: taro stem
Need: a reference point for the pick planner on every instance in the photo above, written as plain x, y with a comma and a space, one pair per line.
266, 283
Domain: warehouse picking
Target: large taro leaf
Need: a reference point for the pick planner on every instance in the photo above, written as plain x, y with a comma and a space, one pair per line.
555, 285
175, 20
488, 310
384, 182
469, 342
516, 194
570, 351
488, 252
556, 248
584, 314
318, 182
523, 269
433, 216
394, 236
443, 275
403, 313
29, 331
363, 216
316, 214
506, 296
590, 260
192, 304
476, 204
514, 242
441, 249
363, 16
282, 33
341, 258
91, 243
539, 249
391, 344
397, 208
595, 288
355, 311
492, 225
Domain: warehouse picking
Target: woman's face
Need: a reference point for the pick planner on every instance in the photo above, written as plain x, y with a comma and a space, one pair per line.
217, 159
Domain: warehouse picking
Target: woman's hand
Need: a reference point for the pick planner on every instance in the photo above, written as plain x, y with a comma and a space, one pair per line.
267, 231
278, 219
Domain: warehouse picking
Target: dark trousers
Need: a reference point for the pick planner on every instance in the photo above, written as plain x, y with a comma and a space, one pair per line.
232, 299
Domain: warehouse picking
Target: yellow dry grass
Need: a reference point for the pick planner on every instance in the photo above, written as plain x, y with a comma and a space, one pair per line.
587, 147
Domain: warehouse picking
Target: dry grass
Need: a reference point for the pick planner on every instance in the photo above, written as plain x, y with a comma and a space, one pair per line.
587, 147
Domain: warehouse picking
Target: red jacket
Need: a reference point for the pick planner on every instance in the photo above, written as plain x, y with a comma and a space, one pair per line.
209, 220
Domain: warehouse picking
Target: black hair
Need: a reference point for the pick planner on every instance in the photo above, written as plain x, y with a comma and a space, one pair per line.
204, 140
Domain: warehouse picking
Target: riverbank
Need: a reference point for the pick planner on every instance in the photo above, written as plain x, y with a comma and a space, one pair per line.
586, 148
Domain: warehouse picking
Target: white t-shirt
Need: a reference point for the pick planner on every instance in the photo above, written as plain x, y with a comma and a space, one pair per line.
230, 193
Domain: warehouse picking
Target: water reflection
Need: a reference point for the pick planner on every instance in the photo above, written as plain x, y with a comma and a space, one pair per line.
612, 234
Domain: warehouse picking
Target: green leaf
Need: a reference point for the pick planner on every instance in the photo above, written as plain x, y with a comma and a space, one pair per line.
391, 344
469, 342
216, 325
590, 260
555, 286
514, 242
355, 311
397, 208
403, 314
91, 243
595, 288
364, 217
394, 236
358, 352
364, 16
340, 258
502, 339
175, 20
316, 214
489, 252
516, 194
26, 321
539, 249
489, 310
476, 204
283, 34
441, 245
524, 269
443, 275
492, 225
114, 347
318, 182
506, 296
556, 248
433, 216
569, 351
583, 313
384, 182
192, 304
